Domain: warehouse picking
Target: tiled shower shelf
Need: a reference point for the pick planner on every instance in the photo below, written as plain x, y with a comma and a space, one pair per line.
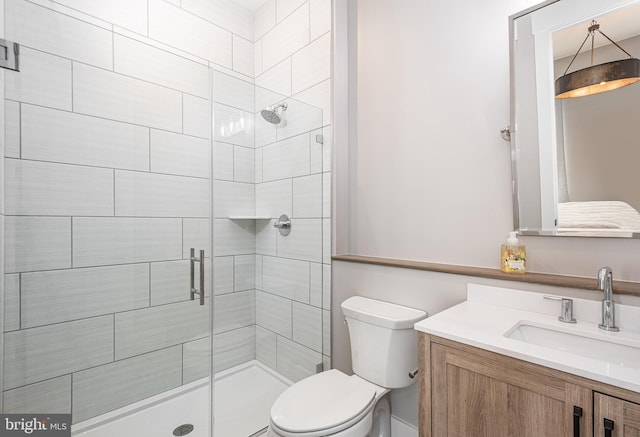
248, 217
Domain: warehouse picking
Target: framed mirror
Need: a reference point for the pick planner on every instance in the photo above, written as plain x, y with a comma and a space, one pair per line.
575, 162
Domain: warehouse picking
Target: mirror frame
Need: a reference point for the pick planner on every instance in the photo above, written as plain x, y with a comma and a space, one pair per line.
512, 114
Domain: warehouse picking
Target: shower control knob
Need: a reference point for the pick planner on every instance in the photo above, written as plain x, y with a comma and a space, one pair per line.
283, 224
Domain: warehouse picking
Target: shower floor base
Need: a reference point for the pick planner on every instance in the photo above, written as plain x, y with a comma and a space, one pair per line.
243, 399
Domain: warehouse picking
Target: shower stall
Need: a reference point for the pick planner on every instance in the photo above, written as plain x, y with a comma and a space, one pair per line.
165, 247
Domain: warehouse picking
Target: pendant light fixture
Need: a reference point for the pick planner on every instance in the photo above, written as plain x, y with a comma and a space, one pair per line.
597, 78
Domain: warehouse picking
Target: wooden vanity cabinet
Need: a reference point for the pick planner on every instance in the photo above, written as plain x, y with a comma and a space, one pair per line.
471, 392
613, 417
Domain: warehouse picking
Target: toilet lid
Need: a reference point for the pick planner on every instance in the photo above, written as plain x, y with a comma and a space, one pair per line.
322, 401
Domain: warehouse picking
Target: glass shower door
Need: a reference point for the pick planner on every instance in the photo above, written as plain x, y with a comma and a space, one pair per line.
107, 189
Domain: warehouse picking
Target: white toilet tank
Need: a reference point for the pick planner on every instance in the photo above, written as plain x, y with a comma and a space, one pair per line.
384, 345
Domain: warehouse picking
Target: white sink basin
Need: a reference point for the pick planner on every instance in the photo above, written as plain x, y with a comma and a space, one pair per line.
619, 351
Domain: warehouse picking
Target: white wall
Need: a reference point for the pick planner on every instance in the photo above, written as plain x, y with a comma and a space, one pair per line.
432, 178
430, 175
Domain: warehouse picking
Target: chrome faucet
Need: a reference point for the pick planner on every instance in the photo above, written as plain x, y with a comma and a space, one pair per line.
605, 284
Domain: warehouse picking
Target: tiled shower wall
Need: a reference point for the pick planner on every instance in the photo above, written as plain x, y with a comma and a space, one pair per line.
293, 273
107, 187
2, 218
263, 277
107, 145
265, 171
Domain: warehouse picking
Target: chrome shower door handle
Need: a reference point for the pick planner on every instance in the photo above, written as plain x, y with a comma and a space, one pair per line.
202, 277
192, 260
192, 290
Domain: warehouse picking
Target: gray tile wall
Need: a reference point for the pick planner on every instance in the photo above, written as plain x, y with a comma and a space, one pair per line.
266, 171
108, 180
108, 146
293, 176
8, 317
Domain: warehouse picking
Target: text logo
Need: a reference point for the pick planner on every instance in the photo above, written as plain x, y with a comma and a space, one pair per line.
35, 425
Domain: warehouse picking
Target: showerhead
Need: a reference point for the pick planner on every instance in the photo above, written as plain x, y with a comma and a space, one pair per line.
273, 114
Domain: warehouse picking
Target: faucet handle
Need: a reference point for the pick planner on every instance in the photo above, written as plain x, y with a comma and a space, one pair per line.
566, 314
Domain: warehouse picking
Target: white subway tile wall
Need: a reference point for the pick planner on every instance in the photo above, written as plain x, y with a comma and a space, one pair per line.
37, 243
109, 146
265, 19
293, 176
79, 293
225, 13
57, 350
233, 92
182, 29
233, 348
167, 281
51, 189
136, 59
315, 288
108, 179
11, 302
149, 329
105, 94
312, 64
277, 78
287, 37
12, 129
196, 356
243, 56
125, 382
66, 137
178, 154
43, 29
43, 80
30, 399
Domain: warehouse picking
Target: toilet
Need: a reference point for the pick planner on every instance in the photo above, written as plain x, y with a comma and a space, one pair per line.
384, 355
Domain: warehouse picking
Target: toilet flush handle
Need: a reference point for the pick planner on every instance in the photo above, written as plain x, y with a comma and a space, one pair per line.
413, 374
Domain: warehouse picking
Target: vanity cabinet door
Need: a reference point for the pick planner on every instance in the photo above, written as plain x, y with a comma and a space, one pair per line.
486, 395
615, 417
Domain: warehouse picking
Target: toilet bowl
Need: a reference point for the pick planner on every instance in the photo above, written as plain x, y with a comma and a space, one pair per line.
328, 403
334, 404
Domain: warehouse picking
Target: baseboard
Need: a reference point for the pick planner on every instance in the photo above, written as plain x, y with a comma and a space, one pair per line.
400, 428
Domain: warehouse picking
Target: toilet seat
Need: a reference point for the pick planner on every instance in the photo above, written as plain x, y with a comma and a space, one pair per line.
322, 404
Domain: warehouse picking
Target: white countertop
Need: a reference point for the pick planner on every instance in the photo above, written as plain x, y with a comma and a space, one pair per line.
490, 312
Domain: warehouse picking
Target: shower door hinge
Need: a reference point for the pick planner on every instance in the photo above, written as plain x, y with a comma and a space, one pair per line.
319, 367
319, 139
9, 54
